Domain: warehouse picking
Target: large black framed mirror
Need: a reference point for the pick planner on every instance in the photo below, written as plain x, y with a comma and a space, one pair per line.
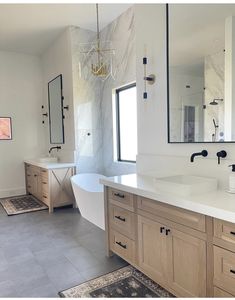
55, 104
201, 73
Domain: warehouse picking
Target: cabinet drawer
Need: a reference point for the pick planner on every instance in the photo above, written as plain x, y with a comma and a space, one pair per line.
45, 198
218, 293
44, 174
122, 220
224, 269
29, 188
122, 199
175, 214
45, 187
122, 246
28, 168
224, 230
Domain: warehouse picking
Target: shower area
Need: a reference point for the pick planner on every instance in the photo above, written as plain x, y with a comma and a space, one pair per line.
214, 97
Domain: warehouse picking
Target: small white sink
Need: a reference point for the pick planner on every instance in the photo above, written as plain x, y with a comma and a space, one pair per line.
48, 160
185, 185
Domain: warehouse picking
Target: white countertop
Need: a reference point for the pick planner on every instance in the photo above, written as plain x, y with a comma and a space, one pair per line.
50, 165
218, 204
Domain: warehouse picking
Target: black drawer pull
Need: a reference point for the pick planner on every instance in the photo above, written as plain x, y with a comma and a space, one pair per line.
121, 245
119, 195
162, 229
232, 232
45, 197
44, 182
232, 271
120, 218
167, 231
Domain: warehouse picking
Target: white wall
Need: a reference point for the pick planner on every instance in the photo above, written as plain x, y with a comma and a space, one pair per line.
21, 99
56, 60
155, 153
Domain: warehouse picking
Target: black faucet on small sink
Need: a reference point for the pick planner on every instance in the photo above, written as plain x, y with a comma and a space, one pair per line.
203, 153
56, 147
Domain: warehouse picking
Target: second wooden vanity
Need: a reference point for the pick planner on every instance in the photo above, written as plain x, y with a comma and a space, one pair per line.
50, 185
189, 254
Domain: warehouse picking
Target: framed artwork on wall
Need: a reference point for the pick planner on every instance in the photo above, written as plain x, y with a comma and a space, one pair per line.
5, 128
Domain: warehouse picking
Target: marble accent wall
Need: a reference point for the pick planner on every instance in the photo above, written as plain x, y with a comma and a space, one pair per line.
214, 89
87, 109
122, 34
93, 97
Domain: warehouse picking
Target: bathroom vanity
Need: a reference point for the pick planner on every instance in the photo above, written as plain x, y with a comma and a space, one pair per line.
184, 243
50, 182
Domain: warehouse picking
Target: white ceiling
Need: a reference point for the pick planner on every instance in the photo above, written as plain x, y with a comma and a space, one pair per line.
31, 28
197, 30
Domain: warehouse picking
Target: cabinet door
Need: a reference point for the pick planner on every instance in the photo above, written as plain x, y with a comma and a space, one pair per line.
60, 187
29, 179
152, 249
36, 183
187, 264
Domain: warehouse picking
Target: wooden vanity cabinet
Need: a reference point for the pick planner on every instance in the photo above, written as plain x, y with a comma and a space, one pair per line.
52, 186
162, 241
33, 181
153, 250
224, 258
172, 258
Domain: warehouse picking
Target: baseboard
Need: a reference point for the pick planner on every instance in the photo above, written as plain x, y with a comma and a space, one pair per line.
12, 192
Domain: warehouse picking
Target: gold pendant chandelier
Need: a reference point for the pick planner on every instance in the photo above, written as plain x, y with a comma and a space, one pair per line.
98, 56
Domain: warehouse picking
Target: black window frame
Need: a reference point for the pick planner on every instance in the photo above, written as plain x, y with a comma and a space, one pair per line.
118, 140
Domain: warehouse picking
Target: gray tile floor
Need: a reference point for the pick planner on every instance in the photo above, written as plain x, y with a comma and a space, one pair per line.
42, 254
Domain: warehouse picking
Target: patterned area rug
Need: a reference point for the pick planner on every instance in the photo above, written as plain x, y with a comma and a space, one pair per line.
126, 282
22, 204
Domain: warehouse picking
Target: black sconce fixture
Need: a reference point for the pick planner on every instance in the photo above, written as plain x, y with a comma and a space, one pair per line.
150, 79
44, 114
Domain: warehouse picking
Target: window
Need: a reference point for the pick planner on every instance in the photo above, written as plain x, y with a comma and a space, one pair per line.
126, 118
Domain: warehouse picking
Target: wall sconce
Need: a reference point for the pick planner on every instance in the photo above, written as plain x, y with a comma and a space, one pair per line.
44, 114
150, 79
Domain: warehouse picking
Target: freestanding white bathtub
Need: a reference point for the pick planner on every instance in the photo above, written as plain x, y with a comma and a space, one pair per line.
89, 195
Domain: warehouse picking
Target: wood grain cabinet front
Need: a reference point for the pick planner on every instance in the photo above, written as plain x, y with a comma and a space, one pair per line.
122, 199
218, 293
224, 232
224, 269
153, 249
52, 186
33, 181
172, 258
123, 246
122, 220
166, 243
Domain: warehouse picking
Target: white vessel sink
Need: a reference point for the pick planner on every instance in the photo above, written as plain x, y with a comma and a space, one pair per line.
185, 185
48, 160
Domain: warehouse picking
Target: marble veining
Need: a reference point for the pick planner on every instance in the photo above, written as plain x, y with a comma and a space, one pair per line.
93, 97
214, 89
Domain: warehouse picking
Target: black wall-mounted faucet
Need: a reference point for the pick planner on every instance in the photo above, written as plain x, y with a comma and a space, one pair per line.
221, 154
56, 147
203, 153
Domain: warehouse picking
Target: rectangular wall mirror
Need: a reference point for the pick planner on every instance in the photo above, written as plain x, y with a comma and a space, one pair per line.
55, 103
201, 73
